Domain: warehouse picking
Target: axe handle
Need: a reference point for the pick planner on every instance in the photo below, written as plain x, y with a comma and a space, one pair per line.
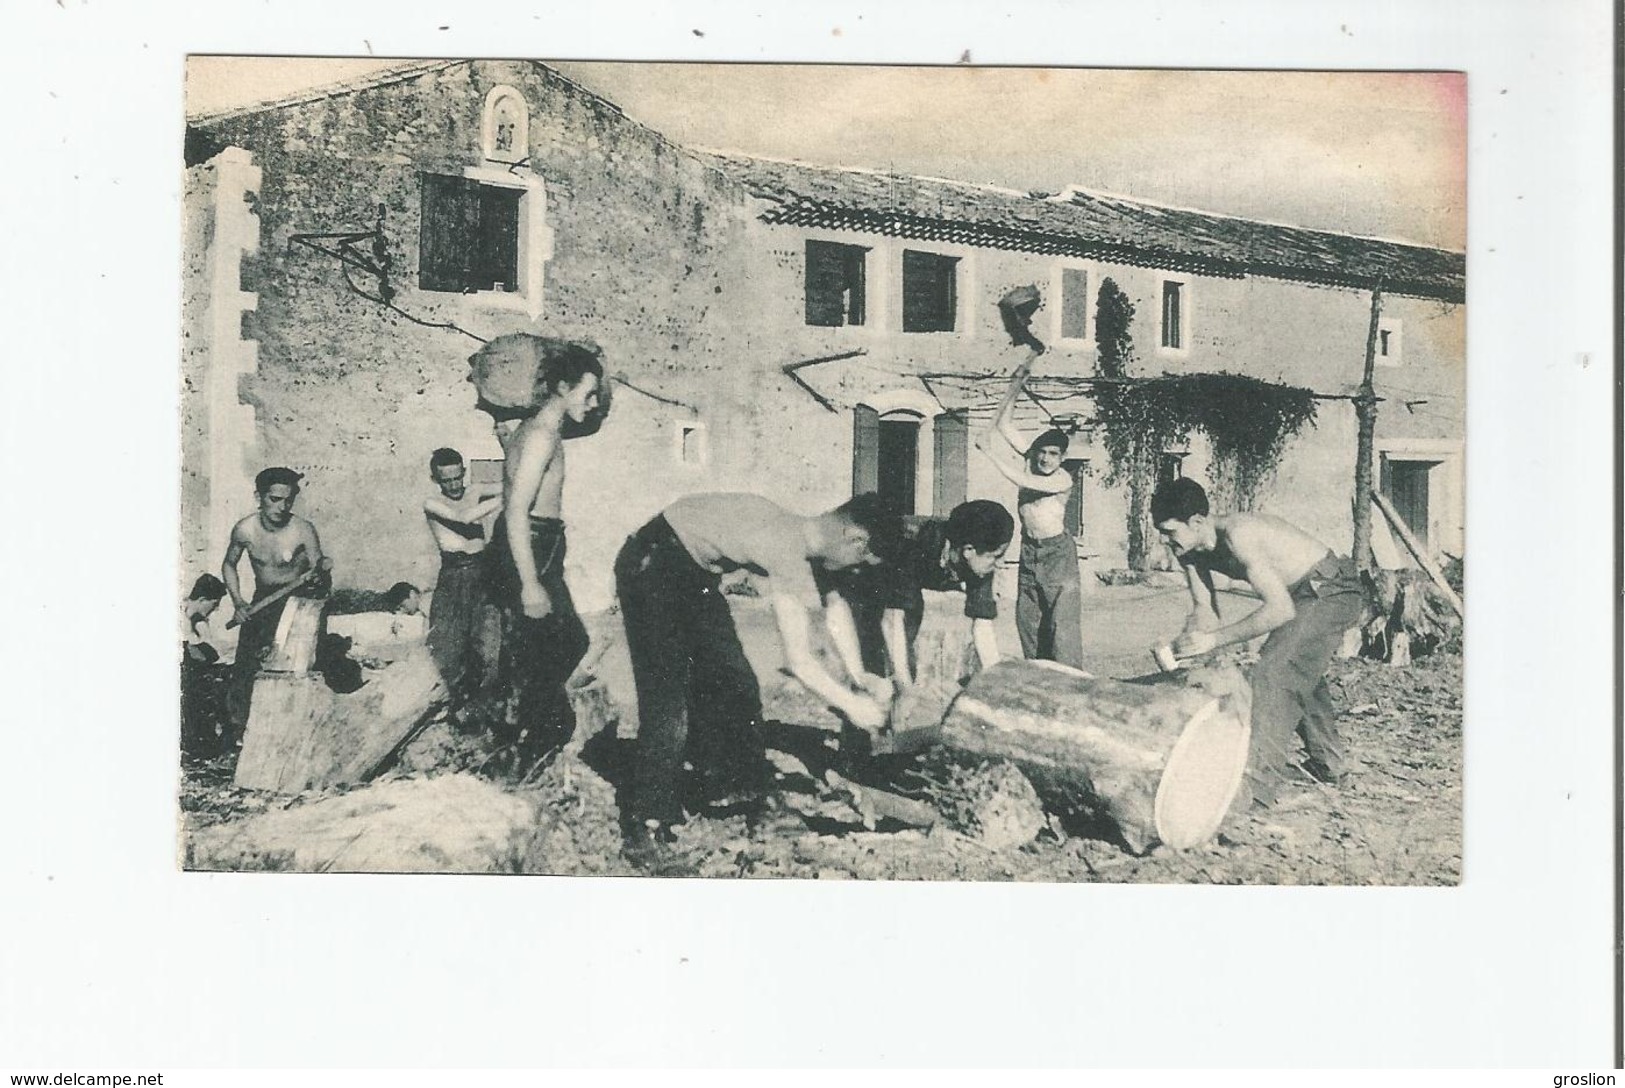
324, 564
1017, 380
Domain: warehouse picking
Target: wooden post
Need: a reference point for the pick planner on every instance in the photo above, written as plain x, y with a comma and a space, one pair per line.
1365, 410
1419, 553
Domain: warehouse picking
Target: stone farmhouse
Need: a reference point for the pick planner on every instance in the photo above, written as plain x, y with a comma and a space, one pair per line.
798, 330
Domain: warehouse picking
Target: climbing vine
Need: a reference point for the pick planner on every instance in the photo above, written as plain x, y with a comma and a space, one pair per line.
1247, 421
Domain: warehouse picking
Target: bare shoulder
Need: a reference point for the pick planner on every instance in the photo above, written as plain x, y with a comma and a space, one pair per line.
1257, 530
533, 437
243, 531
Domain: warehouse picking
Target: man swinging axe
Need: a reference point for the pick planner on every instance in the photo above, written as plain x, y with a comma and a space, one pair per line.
1049, 593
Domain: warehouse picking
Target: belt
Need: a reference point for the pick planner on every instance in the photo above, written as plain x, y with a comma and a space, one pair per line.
1333, 574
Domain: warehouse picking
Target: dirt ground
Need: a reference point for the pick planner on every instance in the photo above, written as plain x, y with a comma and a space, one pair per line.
1397, 820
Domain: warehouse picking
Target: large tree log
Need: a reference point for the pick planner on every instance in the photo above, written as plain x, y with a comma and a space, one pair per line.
301, 735
1107, 743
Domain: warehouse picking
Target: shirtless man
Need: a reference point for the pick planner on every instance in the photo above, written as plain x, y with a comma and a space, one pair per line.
1310, 598
699, 700
282, 548
543, 638
1049, 596
873, 612
456, 518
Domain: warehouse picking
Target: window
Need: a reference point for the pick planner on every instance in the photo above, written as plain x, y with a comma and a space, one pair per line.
484, 475
835, 283
1074, 304
1174, 316
691, 444
1170, 466
1390, 343
1407, 485
899, 458
930, 293
469, 235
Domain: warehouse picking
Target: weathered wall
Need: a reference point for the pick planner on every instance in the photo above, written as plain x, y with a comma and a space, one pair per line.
217, 429
1298, 334
644, 260
663, 262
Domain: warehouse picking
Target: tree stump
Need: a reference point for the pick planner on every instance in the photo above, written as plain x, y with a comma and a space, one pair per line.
298, 633
301, 735
1106, 743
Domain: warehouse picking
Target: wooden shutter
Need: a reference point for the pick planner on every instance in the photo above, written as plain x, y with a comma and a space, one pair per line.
823, 283
854, 259
952, 461
930, 300
865, 450
498, 258
447, 230
1074, 303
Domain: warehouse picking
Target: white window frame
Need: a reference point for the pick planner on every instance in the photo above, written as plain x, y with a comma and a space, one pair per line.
535, 239
1186, 308
915, 403
702, 443
964, 285
1091, 291
1446, 488
875, 309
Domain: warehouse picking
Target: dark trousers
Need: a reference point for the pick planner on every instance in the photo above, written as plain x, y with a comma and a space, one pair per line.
1049, 600
538, 655
254, 641
462, 625
1289, 682
204, 690
697, 694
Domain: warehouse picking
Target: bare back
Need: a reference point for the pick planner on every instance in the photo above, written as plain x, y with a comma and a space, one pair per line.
1246, 541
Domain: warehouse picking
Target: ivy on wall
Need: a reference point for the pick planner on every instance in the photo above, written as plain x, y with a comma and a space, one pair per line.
1247, 421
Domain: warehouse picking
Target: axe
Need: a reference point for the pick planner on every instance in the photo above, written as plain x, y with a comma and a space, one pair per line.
323, 565
1016, 310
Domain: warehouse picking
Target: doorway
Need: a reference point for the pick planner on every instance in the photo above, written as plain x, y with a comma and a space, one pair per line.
1405, 483
899, 459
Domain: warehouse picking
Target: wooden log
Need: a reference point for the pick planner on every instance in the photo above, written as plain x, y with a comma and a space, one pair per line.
298, 633
287, 712
301, 735
1107, 743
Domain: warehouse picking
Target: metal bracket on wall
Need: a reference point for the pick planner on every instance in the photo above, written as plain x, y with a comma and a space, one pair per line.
789, 371
344, 245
